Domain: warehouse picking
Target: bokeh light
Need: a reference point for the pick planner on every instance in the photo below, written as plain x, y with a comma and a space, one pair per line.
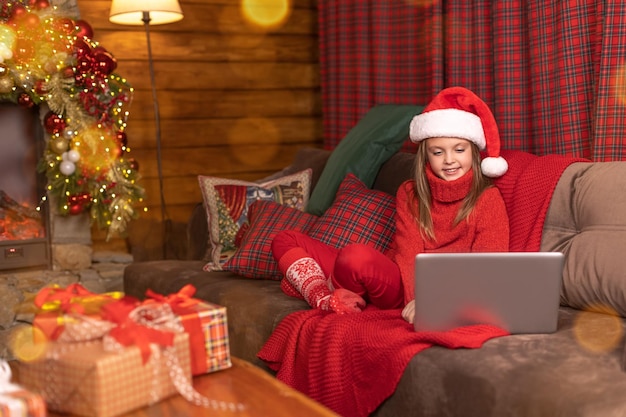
97, 148
264, 143
598, 333
266, 13
620, 84
27, 343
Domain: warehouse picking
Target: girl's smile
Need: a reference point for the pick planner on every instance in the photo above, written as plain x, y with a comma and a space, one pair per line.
449, 158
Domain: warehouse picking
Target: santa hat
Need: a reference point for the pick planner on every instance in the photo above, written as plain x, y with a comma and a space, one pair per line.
456, 112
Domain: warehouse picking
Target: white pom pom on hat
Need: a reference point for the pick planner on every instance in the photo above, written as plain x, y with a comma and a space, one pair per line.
457, 112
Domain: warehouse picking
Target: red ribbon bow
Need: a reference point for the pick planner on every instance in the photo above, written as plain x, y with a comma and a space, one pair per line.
55, 301
184, 305
180, 302
129, 333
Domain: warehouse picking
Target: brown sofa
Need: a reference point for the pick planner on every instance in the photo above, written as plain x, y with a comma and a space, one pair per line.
577, 371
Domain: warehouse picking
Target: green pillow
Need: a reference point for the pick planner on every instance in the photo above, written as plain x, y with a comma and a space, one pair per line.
374, 139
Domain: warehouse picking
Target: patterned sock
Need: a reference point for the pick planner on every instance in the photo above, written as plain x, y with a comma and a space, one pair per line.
306, 276
288, 289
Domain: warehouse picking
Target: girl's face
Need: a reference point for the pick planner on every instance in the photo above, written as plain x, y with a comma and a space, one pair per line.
449, 158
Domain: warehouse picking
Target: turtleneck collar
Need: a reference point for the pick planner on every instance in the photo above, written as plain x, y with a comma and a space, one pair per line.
449, 191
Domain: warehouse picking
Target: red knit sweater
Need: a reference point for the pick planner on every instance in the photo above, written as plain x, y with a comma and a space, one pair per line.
486, 230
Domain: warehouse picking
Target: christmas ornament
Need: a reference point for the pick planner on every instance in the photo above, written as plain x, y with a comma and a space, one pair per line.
67, 167
6, 85
134, 164
25, 100
69, 134
40, 4
84, 29
122, 139
76, 208
58, 145
103, 62
54, 123
72, 155
18, 10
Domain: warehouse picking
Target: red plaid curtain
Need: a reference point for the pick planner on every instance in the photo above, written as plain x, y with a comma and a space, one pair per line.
553, 72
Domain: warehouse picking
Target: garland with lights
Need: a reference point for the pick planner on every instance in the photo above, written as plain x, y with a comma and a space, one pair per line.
49, 59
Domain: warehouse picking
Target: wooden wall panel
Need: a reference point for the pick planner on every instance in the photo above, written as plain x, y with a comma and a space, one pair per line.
236, 100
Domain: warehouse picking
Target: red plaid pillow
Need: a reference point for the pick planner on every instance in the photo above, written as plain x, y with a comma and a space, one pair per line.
358, 215
253, 258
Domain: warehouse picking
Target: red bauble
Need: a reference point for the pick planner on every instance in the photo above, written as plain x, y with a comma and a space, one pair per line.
78, 202
40, 4
84, 65
40, 87
122, 139
104, 62
134, 165
76, 208
18, 10
28, 20
25, 100
54, 123
65, 25
82, 48
84, 29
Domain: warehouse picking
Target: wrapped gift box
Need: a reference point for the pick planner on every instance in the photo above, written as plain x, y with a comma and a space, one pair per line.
207, 326
15, 401
85, 379
22, 403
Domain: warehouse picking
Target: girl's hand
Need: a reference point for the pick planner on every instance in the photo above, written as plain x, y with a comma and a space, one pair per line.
408, 312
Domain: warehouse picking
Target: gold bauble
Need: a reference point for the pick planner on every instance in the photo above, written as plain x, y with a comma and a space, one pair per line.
4, 69
58, 145
6, 85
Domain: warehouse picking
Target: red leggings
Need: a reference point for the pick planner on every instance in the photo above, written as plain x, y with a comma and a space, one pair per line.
355, 267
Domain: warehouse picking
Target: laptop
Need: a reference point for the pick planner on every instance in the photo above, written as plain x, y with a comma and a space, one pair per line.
517, 291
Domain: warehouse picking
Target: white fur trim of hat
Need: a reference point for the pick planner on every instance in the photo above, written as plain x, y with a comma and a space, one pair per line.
457, 112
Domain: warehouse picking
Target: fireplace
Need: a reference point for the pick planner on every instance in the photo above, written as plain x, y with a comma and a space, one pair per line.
24, 220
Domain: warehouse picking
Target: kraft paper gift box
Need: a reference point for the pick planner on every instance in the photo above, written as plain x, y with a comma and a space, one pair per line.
207, 326
210, 350
89, 381
15, 401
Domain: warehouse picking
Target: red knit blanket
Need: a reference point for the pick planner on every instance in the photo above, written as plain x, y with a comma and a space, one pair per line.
352, 363
527, 189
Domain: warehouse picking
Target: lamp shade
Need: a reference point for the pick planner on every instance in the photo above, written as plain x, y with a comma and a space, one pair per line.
130, 12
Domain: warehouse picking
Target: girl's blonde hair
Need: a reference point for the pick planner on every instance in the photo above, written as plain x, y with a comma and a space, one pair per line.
422, 197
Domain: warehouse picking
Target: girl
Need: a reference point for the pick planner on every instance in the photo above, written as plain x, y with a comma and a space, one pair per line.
450, 206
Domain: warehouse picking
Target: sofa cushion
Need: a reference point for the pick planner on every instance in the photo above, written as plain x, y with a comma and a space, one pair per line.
587, 222
377, 136
358, 214
226, 202
253, 258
